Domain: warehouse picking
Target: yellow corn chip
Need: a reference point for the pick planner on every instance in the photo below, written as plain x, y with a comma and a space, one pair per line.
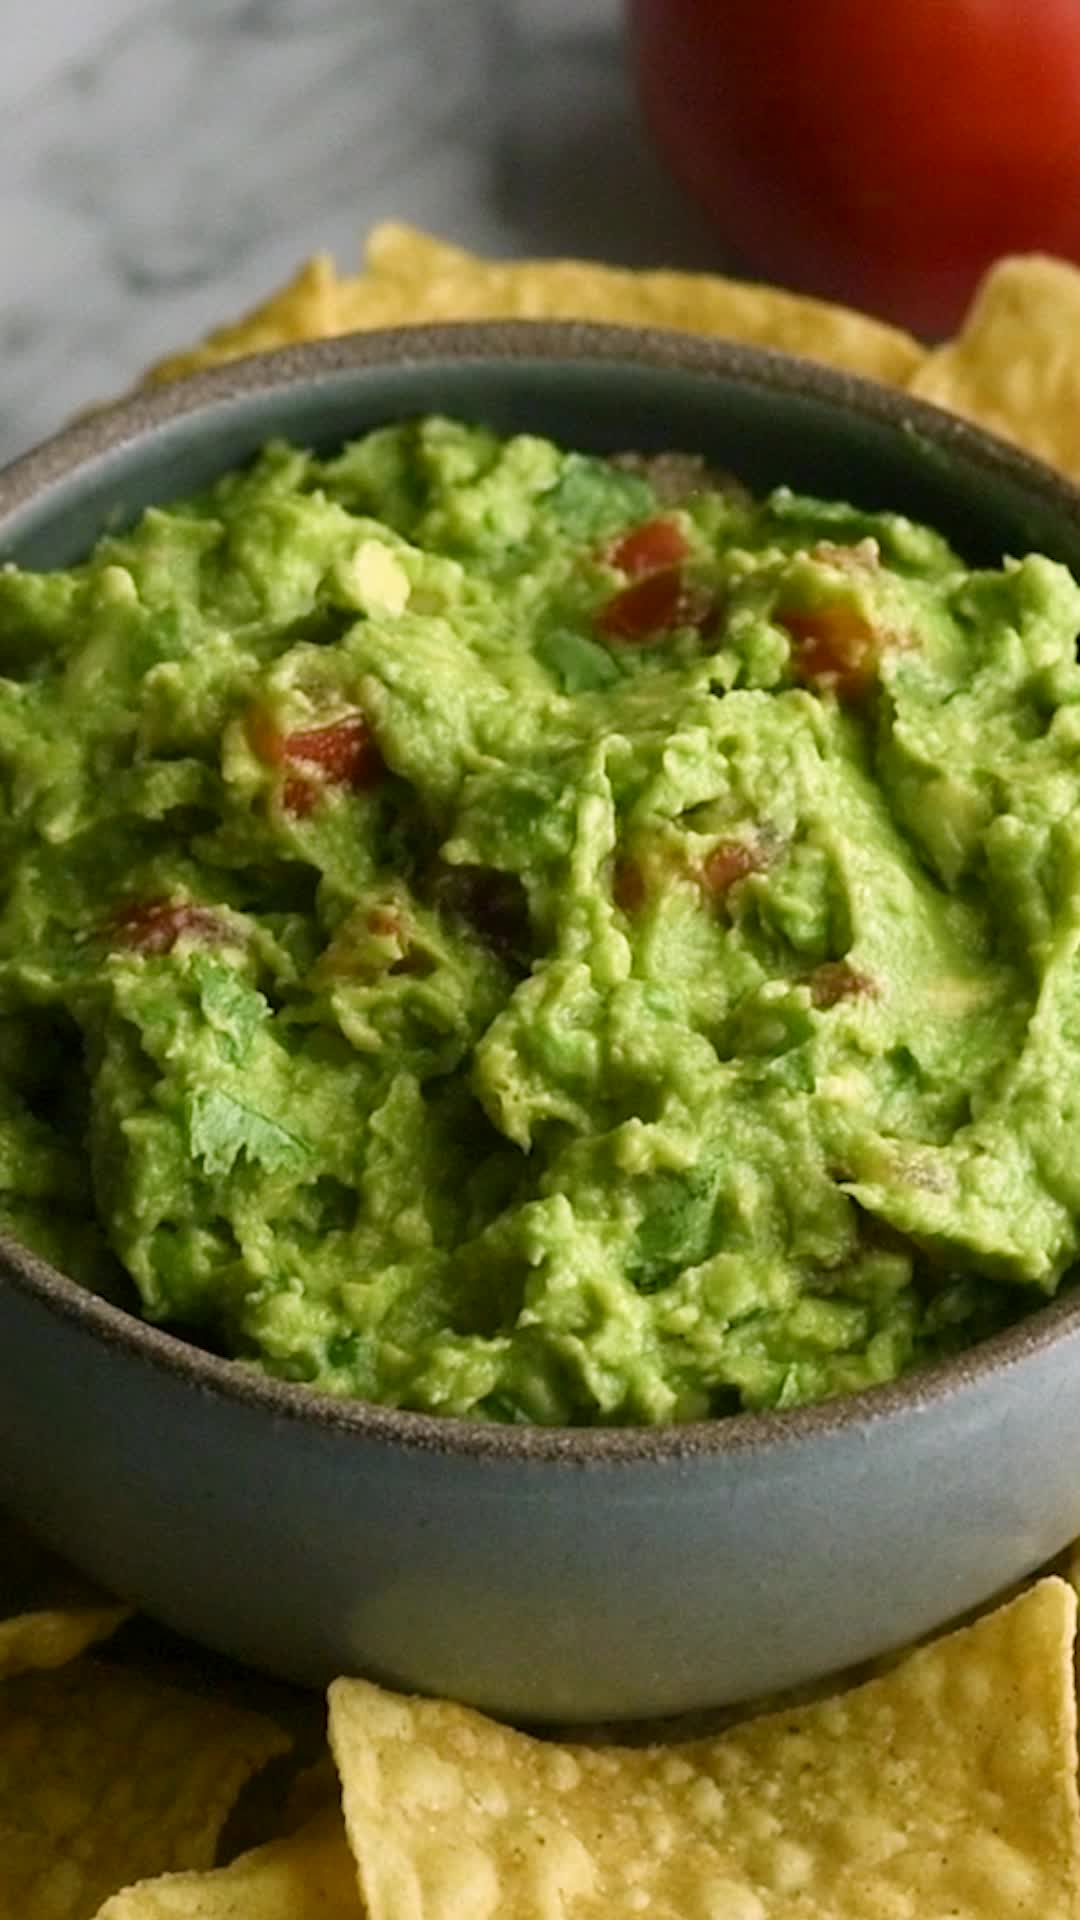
412, 279
1015, 367
310, 1875
945, 1788
106, 1775
48, 1613
305, 309
396, 251
453, 284
51, 1636
313, 1790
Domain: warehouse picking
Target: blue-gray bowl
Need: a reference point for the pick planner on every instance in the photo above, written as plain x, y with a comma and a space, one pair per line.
538, 1573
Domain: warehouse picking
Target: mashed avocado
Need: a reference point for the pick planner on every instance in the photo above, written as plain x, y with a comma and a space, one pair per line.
519, 935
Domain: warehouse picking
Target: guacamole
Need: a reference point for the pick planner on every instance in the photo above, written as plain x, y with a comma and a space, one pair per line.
521, 935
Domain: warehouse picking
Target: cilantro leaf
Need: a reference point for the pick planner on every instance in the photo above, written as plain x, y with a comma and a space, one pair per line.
575, 661
592, 498
221, 1128
233, 1008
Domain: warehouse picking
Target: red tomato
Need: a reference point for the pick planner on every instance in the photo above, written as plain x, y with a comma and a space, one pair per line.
154, 926
882, 152
657, 543
834, 981
834, 650
628, 889
344, 751
729, 861
299, 795
652, 605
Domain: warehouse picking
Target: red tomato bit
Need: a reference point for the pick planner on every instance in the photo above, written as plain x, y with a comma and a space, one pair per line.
652, 605
657, 543
386, 923
390, 924
628, 889
729, 861
835, 650
836, 981
341, 754
154, 926
344, 751
298, 795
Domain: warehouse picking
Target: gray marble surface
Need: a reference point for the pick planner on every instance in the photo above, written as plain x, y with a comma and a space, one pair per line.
164, 163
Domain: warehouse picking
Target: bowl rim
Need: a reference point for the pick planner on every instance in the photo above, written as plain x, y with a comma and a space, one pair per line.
132, 418
117, 423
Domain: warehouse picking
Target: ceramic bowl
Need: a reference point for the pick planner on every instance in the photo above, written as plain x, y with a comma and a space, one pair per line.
574, 1575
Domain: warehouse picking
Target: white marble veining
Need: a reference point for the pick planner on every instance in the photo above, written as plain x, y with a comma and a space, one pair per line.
164, 163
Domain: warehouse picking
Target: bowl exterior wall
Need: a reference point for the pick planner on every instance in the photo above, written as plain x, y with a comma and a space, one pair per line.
536, 1589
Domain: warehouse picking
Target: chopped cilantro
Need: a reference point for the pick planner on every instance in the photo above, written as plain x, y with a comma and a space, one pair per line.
221, 1128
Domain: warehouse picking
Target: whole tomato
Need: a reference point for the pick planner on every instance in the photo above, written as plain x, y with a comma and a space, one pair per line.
881, 152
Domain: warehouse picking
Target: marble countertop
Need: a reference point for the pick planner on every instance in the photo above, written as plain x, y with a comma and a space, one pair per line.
165, 163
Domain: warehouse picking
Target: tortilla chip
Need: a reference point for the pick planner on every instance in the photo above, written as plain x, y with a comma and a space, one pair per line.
305, 309
1015, 367
313, 1790
454, 284
311, 1875
48, 1612
948, 1786
54, 1635
411, 279
106, 1775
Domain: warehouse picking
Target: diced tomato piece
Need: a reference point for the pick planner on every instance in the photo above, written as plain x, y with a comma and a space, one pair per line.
836, 981
154, 926
835, 650
344, 751
388, 923
652, 605
342, 754
385, 923
299, 794
729, 861
657, 543
628, 889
